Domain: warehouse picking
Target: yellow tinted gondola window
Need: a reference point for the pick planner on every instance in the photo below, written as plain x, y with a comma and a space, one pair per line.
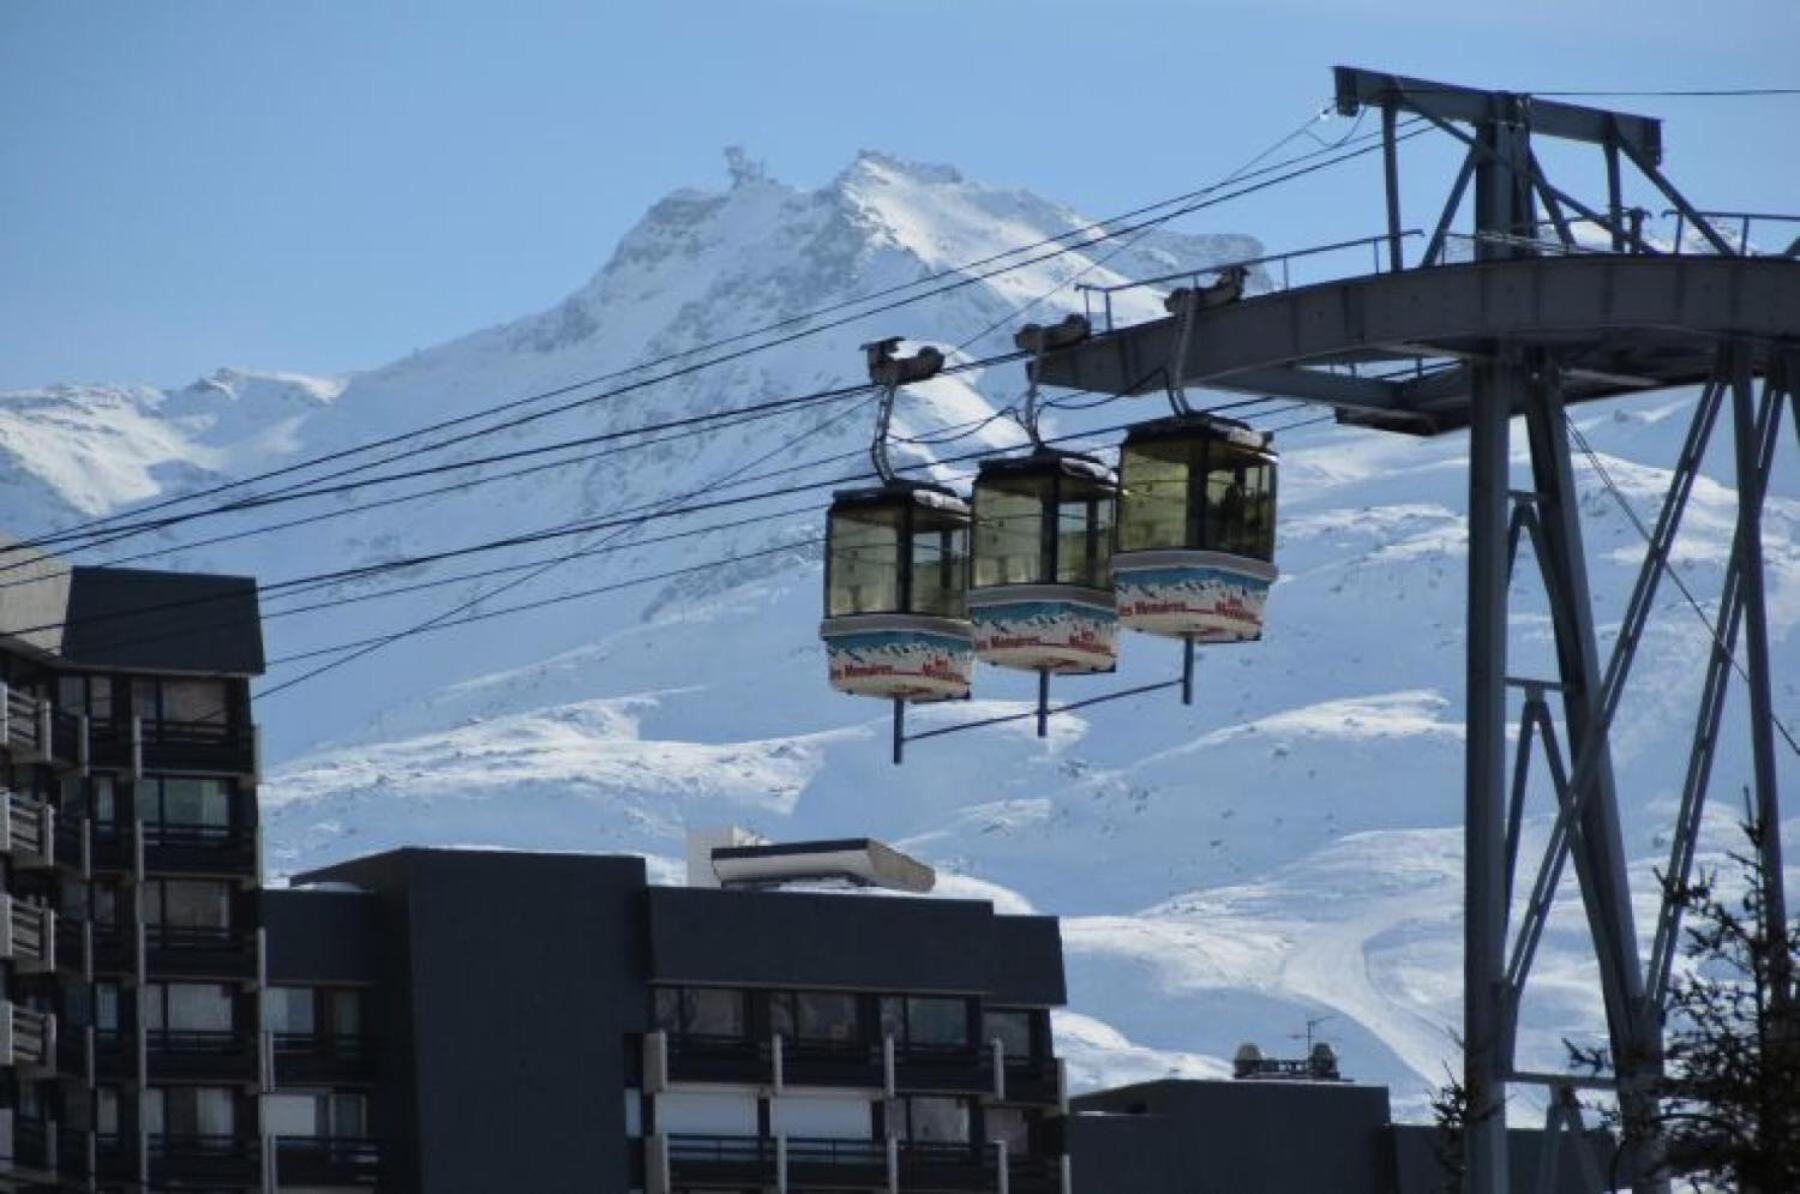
1009, 531
1153, 504
1239, 514
940, 562
1083, 535
864, 562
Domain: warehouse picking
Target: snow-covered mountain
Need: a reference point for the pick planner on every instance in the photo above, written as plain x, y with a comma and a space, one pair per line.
1286, 848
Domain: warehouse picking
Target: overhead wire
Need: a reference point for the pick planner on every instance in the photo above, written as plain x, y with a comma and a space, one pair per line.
1631, 515
586, 528
102, 530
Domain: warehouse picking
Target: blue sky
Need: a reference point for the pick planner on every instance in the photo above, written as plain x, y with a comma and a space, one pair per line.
326, 186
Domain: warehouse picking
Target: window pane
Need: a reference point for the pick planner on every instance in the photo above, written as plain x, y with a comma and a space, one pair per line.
100, 696
106, 1007
291, 1114
1009, 532
828, 1017
349, 1116
346, 1012
215, 1111
199, 1007
143, 697
940, 550
937, 1022
1011, 1029
106, 1110
715, 1013
1084, 539
289, 1009
188, 903
71, 693
155, 998
666, 1009
782, 1020
893, 1018
864, 562
193, 700
1153, 501
105, 801
195, 802
1008, 1125
938, 1121
154, 1117
1239, 502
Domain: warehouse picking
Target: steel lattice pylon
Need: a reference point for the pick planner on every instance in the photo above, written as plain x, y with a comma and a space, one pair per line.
1537, 321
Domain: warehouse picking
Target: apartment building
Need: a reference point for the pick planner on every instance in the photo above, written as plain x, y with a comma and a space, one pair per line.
556, 1022
128, 853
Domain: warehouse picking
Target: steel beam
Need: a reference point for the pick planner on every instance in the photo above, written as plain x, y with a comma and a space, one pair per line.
1485, 1002
1691, 811
1357, 88
1750, 484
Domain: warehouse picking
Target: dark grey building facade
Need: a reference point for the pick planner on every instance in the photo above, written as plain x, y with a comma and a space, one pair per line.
1283, 1137
554, 1023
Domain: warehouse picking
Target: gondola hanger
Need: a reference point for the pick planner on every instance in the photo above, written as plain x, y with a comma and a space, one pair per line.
890, 372
1186, 302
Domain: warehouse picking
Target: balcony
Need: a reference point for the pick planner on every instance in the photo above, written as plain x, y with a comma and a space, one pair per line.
1033, 1080
199, 849
29, 831
24, 725
27, 1038
115, 1055
179, 1162
326, 1161
27, 935
197, 747
214, 1056
738, 1162
307, 1059
30, 1145
183, 951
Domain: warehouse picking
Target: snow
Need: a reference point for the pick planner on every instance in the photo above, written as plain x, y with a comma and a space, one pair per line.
1287, 848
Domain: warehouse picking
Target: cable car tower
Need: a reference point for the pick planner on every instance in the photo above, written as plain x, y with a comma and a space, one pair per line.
1561, 302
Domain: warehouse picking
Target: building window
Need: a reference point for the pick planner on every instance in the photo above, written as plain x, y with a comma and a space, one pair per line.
186, 800
701, 1011
106, 1110
924, 1022
1011, 1029
190, 1111
935, 1120
106, 1007
1009, 1126
290, 1010
816, 1017
194, 701
188, 903
189, 1007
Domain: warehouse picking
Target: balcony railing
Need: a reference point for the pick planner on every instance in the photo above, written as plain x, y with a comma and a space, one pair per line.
890, 1065
30, 830
200, 849
728, 1161
27, 935
27, 1037
184, 951
197, 746
24, 724
305, 1058
181, 1053
326, 1161
33, 1142
182, 1161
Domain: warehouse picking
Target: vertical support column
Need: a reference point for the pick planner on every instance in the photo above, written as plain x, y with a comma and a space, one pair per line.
1484, 841
1750, 481
1597, 845
1390, 161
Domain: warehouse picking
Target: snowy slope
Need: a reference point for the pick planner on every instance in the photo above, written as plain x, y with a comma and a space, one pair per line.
1287, 848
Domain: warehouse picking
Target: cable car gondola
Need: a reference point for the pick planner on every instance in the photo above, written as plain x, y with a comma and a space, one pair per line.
896, 570
1041, 596
1196, 535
